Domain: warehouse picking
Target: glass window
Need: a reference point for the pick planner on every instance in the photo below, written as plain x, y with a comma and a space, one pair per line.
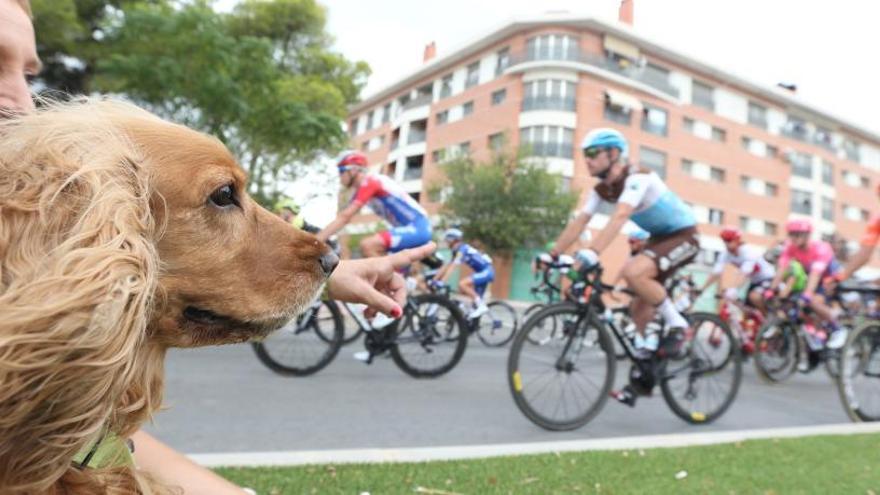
386, 113
473, 75
757, 115
719, 135
802, 165
467, 108
772, 151
446, 86
687, 166
703, 95
717, 175
827, 173
617, 113
370, 120
548, 141
654, 120
496, 141
801, 202
688, 124
503, 61
653, 159
828, 209
499, 96
771, 189
716, 217
770, 229
442, 117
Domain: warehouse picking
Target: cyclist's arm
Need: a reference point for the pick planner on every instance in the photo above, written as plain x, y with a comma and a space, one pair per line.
713, 279
571, 233
615, 223
340, 221
446, 269
813, 282
860, 259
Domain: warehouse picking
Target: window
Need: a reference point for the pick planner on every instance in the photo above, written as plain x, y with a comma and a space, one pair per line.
549, 94
757, 115
716, 217
438, 155
827, 209
795, 128
548, 140
446, 86
473, 75
467, 109
369, 120
617, 113
770, 229
464, 148
416, 196
499, 96
771, 189
822, 137
654, 120
688, 124
703, 96
772, 151
656, 76
386, 113
413, 170
496, 141
503, 61
552, 47
653, 159
855, 213
717, 174
365, 145
442, 117
802, 165
851, 150
866, 183
417, 131
719, 135
687, 166
352, 127
827, 173
801, 202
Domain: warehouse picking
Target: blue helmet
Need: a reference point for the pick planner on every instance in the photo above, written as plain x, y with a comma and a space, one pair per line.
605, 137
452, 234
639, 235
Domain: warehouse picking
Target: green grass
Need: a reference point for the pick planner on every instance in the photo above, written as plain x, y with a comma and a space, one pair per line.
821, 465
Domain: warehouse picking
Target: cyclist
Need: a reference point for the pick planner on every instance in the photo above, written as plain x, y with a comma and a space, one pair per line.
410, 226
817, 258
749, 260
473, 286
289, 211
641, 196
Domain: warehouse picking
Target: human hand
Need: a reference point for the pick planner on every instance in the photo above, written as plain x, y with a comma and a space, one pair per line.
375, 281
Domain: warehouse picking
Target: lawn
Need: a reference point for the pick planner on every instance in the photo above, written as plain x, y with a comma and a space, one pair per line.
821, 465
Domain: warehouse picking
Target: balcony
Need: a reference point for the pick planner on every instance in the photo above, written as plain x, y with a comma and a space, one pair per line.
418, 101
632, 71
548, 103
550, 149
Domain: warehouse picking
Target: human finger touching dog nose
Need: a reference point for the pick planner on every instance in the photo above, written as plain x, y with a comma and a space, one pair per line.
376, 281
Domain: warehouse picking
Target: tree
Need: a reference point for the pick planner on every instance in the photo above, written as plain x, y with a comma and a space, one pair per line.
263, 78
510, 202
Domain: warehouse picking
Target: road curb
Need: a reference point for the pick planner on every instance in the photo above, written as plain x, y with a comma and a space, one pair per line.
421, 454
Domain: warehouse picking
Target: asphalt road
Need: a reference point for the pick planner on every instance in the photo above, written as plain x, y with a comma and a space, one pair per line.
223, 399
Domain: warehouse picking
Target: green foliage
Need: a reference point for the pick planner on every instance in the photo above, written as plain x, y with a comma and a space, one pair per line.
263, 79
510, 202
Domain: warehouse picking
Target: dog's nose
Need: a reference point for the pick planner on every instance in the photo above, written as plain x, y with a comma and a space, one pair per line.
328, 262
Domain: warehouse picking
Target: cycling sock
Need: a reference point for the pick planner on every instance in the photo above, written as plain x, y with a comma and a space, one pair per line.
671, 315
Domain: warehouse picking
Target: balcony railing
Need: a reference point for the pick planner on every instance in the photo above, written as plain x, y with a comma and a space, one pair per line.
550, 149
631, 71
412, 173
548, 103
416, 136
418, 101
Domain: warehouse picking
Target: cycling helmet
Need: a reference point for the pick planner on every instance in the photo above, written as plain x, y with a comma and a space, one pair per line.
452, 235
639, 235
729, 234
798, 226
351, 159
605, 137
288, 204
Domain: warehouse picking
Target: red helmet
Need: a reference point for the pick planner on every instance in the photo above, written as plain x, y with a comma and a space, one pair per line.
798, 226
729, 234
352, 158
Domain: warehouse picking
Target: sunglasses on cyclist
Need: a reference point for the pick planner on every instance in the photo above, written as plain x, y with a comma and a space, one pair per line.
342, 170
592, 152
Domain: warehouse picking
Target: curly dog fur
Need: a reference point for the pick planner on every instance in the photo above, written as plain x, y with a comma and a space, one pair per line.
111, 251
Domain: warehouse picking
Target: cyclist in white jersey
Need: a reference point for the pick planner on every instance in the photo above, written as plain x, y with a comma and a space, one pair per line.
754, 269
641, 196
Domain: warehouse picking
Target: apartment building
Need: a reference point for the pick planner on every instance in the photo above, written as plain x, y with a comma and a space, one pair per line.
738, 152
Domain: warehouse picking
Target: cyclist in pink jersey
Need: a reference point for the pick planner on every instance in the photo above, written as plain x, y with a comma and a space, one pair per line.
817, 257
410, 226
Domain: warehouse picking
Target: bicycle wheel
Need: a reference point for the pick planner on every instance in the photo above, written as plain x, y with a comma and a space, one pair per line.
305, 346
700, 386
547, 327
497, 327
777, 350
561, 383
431, 338
858, 382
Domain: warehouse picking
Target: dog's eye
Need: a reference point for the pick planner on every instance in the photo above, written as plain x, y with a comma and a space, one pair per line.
224, 196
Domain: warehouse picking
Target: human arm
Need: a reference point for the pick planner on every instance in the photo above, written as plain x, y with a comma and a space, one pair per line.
342, 219
612, 228
858, 260
173, 468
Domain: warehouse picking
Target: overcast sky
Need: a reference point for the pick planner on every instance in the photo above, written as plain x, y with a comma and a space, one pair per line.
827, 48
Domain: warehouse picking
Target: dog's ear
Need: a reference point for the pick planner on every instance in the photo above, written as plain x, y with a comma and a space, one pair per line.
78, 268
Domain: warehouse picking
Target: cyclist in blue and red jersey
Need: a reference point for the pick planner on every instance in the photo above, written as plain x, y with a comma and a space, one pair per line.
480, 263
410, 226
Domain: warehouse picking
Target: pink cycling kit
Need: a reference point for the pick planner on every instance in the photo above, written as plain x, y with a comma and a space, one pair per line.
817, 257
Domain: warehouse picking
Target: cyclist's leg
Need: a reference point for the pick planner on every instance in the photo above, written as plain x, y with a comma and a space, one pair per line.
466, 287
640, 273
408, 236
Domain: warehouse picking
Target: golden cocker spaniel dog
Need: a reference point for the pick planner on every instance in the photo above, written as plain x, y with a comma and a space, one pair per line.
122, 235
